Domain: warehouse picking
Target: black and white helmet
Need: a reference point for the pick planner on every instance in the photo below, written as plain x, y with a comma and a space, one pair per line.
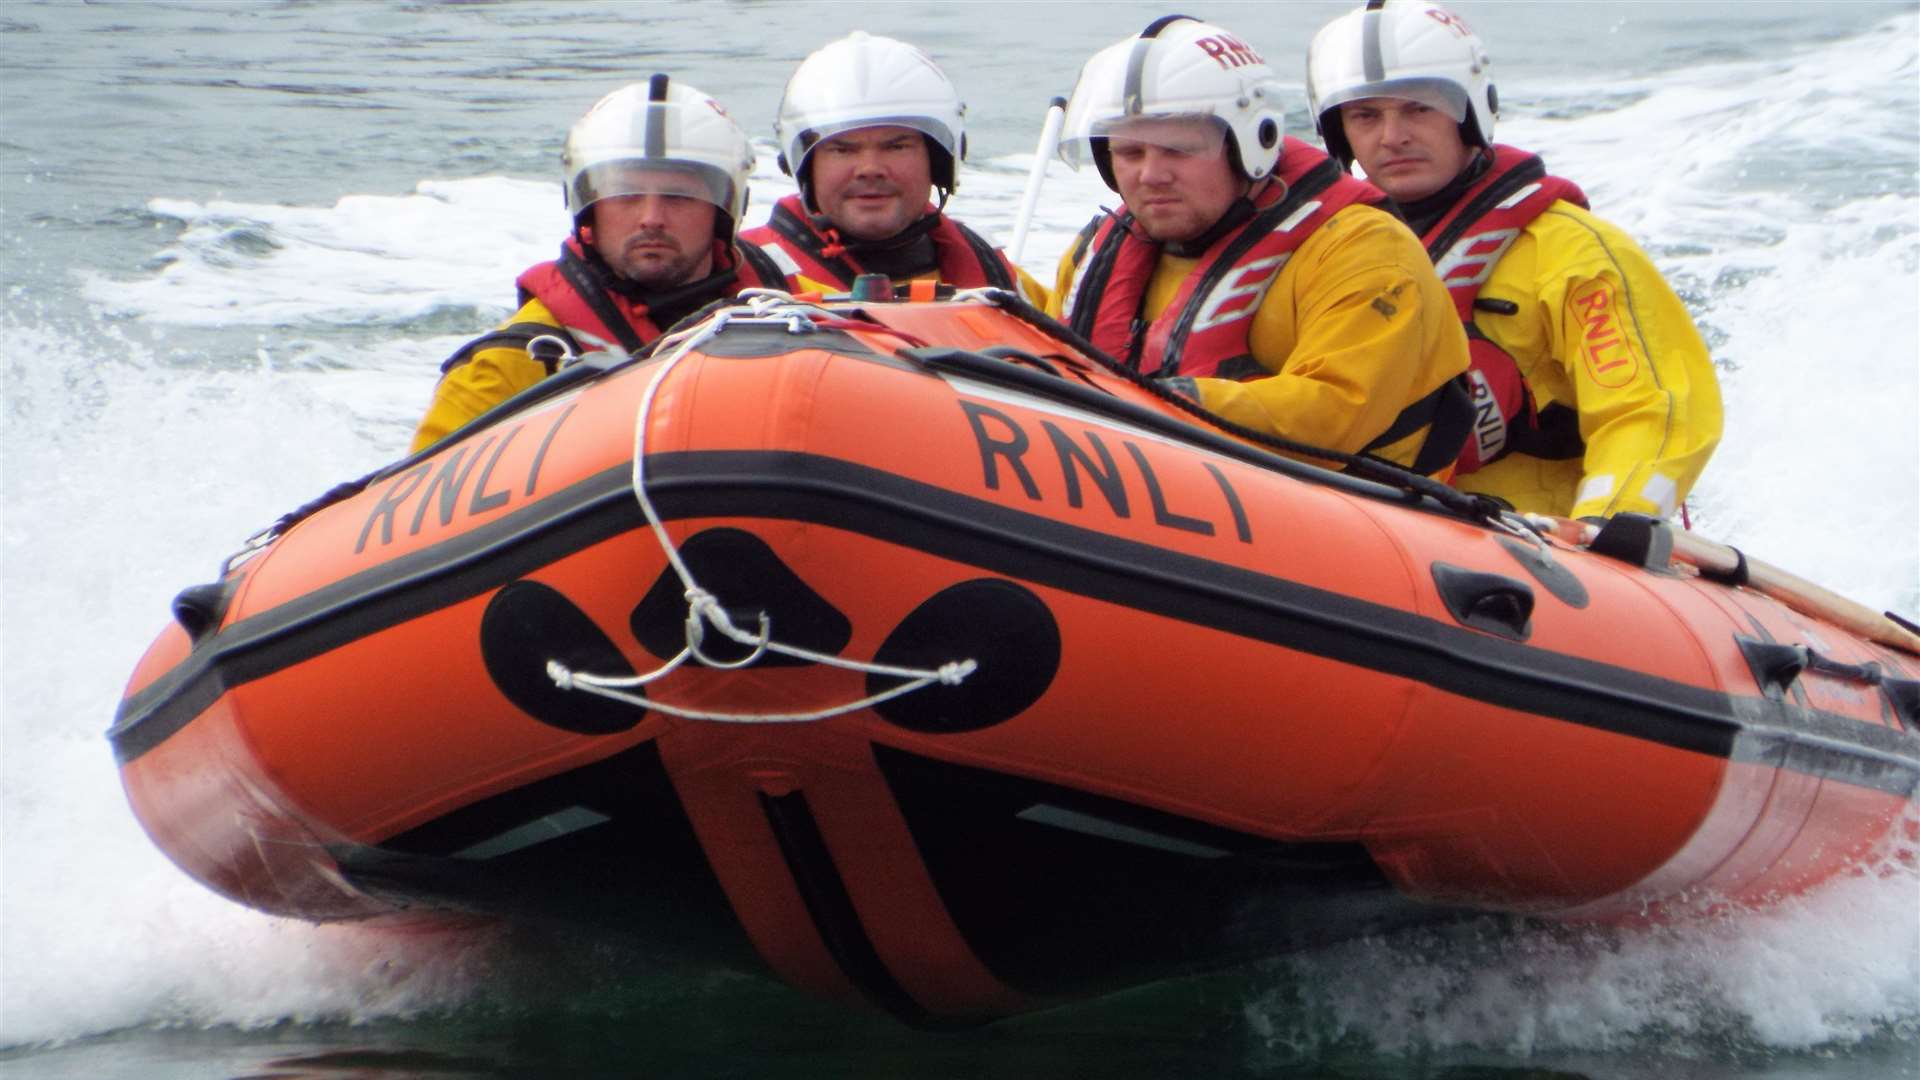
1408, 49
641, 137
863, 81
1177, 68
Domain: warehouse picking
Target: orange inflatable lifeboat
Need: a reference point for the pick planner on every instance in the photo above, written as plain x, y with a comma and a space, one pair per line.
907, 650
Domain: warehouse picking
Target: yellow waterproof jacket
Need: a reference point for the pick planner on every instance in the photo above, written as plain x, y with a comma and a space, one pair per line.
1355, 328
1600, 332
485, 379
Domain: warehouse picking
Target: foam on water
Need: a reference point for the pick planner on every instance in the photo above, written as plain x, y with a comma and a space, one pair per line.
117, 490
1802, 280
365, 259
122, 473
457, 244
1832, 968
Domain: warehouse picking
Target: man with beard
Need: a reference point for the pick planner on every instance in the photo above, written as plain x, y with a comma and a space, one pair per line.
1594, 391
656, 180
1243, 269
869, 127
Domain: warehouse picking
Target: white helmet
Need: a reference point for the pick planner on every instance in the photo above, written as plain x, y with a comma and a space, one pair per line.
863, 81
1403, 49
646, 134
1178, 67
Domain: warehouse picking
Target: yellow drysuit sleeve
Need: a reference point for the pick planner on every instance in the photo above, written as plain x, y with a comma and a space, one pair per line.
1356, 328
484, 379
1601, 332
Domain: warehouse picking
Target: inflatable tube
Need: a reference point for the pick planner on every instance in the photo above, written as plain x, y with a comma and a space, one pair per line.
908, 652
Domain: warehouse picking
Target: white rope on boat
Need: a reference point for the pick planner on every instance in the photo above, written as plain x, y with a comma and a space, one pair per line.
764, 308
983, 294
1521, 526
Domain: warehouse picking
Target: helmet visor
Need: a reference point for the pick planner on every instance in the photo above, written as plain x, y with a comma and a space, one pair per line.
1192, 134
816, 133
640, 176
1442, 94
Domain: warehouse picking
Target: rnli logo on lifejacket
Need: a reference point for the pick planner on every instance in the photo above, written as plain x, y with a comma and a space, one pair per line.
1471, 261
1489, 427
1239, 292
1229, 51
1604, 348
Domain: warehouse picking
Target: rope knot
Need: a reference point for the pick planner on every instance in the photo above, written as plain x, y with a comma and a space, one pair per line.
704, 607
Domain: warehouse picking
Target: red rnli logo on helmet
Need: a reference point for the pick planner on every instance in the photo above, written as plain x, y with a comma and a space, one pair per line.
1229, 51
1451, 21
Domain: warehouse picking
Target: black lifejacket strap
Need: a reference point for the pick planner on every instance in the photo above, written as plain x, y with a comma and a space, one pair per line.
1258, 228
761, 266
1078, 248
1093, 280
988, 256
586, 281
1496, 193
1447, 414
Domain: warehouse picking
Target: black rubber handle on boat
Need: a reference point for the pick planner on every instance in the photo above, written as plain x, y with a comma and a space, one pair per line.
1022, 356
1776, 666
1494, 603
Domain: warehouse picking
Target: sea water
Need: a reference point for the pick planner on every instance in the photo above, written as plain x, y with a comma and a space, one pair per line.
239, 237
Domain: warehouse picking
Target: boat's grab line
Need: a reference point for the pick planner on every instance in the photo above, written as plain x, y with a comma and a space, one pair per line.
703, 607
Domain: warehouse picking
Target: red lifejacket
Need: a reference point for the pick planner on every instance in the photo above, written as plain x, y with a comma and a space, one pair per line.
600, 312
806, 246
1465, 245
1203, 329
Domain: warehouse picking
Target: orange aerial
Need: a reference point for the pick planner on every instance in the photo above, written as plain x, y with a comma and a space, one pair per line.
923, 659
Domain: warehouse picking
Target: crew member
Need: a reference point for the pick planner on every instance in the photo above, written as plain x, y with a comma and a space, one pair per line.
869, 127
656, 180
1594, 392
1245, 266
